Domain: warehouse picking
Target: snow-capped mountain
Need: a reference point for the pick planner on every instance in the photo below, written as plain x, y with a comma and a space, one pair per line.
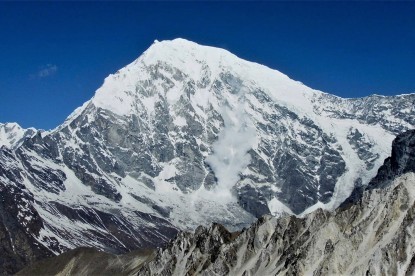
372, 235
187, 135
12, 135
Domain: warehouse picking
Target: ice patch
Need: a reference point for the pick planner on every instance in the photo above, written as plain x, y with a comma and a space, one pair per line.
277, 208
180, 121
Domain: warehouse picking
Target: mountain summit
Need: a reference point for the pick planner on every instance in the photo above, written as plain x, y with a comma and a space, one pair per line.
187, 135
191, 62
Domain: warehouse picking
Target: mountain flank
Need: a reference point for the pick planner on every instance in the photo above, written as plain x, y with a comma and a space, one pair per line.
185, 136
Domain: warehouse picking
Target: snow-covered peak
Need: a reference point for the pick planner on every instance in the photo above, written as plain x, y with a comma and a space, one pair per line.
188, 56
11, 134
196, 63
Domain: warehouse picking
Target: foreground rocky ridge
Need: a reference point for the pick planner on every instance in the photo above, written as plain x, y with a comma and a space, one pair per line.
374, 235
188, 135
89, 261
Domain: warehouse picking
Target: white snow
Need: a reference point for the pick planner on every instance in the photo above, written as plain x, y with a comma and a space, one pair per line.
230, 156
355, 167
277, 208
12, 134
118, 91
180, 121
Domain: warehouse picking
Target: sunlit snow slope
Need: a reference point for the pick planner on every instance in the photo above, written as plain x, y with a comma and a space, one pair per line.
12, 135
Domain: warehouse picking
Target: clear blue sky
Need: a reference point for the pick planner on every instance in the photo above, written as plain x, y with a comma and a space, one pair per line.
53, 56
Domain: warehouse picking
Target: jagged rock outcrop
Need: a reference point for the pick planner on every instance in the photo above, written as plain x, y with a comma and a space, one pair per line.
401, 161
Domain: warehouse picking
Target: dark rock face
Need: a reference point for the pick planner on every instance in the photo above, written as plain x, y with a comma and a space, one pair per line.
19, 223
252, 200
401, 161
362, 148
17, 247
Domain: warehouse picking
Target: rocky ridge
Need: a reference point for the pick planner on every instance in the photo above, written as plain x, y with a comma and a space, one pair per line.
374, 237
89, 261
